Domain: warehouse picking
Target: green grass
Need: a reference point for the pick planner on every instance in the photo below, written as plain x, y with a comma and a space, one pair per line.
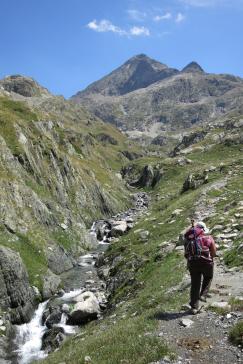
236, 334
123, 342
11, 113
236, 304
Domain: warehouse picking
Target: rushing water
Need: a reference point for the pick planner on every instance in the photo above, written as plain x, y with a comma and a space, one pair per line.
29, 338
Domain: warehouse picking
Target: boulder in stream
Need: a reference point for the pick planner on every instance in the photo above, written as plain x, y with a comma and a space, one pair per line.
118, 228
54, 317
86, 309
52, 339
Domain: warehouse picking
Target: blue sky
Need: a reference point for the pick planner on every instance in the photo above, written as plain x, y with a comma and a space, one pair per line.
67, 44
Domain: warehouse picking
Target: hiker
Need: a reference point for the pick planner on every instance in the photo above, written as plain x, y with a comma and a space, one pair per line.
199, 251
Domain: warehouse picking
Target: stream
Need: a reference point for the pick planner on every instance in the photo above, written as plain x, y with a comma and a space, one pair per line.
28, 341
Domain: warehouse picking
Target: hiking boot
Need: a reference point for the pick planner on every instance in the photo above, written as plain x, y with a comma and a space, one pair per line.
194, 311
203, 299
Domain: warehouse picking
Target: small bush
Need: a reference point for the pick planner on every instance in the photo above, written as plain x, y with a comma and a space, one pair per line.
236, 333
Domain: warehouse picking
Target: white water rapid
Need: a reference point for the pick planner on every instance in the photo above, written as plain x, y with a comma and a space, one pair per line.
29, 338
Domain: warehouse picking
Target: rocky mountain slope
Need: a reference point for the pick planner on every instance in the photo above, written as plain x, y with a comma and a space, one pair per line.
58, 172
154, 101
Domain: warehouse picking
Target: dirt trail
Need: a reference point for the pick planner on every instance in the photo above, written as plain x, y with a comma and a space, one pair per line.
227, 283
206, 339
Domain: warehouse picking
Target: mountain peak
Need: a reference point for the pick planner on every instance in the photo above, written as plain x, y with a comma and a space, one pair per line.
144, 59
193, 67
137, 72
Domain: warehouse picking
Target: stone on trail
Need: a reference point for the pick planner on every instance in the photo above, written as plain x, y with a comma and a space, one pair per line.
186, 322
223, 305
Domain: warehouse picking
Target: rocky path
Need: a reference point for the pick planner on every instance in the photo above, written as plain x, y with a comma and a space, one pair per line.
203, 338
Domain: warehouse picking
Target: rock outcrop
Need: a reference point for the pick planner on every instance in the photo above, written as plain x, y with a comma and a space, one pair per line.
51, 283
16, 295
149, 177
193, 181
24, 86
189, 140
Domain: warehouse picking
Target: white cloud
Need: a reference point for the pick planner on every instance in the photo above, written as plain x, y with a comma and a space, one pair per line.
166, 16
139, 31
136, 15
179, 18
105, 25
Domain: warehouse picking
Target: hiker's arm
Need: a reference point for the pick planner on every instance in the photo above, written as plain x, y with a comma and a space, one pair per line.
212, 248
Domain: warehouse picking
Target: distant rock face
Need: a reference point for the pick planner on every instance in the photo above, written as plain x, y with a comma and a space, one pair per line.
143, 92
15, 291
188, 140
149, 177
24, 86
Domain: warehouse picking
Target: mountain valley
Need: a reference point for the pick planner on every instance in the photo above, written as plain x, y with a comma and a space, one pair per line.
124, 163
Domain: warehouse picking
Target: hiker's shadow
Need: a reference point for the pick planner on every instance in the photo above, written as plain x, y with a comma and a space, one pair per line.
168, 316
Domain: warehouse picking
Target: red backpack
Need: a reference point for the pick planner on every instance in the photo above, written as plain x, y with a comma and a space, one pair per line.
196, 247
